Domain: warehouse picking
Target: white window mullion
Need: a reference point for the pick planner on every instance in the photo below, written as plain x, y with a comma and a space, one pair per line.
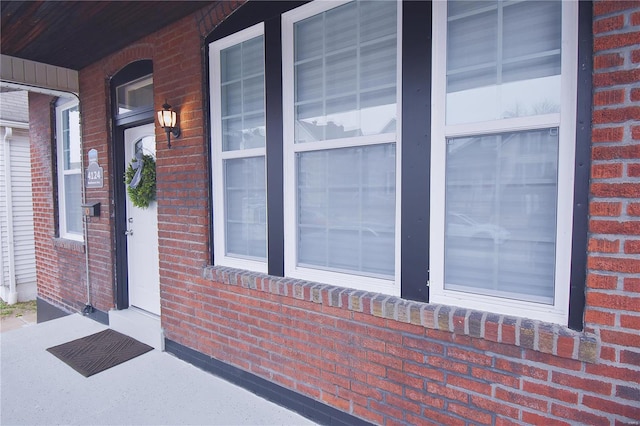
245, 153
507, 125
345, 142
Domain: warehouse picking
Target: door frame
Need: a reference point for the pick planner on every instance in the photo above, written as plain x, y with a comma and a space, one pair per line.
121, 122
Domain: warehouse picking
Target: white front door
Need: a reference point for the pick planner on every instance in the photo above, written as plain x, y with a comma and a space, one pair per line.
142, 231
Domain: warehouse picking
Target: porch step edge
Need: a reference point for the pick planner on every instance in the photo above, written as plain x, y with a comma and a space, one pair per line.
142, 326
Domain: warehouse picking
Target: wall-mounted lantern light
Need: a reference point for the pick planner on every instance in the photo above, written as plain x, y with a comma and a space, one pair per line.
168, 120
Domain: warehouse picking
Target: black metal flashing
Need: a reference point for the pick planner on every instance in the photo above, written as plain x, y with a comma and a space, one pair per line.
416, 149
582, 168
303, 405
274, 159
47, 312
98, 316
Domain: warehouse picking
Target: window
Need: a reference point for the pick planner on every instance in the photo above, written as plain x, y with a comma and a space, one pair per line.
503, 140
135, 95
69, 170
238, 150
485, 149
341, 142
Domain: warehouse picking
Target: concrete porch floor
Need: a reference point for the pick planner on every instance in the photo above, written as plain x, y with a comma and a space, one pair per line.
13, 323
153, 389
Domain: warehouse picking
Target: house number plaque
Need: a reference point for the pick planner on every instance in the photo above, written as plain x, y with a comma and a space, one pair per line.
95, 175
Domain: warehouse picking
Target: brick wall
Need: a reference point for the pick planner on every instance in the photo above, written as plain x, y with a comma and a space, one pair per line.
613, 286
59, 263
392, 361
381, 358
182, 178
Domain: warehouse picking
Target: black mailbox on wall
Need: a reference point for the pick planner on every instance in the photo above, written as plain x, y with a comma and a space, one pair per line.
91, 209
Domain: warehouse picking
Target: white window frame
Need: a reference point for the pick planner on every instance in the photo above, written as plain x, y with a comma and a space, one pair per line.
61, 108
565, 120
219, 156
378, 285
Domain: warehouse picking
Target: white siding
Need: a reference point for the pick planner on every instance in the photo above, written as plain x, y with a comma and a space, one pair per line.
22, 215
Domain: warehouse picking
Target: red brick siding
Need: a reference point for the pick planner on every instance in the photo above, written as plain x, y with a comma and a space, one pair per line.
382, 358
614, 185
392, 361
60, 263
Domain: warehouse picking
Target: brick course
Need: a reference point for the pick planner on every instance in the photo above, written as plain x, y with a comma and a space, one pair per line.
380, 358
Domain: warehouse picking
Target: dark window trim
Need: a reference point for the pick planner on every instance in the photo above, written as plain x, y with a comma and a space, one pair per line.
121, 122
53, 126
274, 152
582, 168
133, 116
206, 128
416, 150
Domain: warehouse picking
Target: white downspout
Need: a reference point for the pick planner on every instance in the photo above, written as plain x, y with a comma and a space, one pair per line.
13, 293
88, 307
2, 283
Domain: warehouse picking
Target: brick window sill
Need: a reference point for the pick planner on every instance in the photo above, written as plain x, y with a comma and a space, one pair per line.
538, 336
71, 245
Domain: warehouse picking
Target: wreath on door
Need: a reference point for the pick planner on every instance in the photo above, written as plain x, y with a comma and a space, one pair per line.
140, 178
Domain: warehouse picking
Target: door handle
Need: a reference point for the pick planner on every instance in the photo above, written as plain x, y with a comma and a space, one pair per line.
128, 232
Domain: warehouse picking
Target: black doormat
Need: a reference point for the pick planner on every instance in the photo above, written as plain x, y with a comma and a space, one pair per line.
98, 352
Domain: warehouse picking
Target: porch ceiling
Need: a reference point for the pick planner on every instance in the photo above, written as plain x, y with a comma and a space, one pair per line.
74, 34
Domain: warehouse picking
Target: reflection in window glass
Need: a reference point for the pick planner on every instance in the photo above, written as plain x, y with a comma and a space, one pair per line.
245, 207
500, 224
71, 138
242, 95
345, 72
135, 95
503, 60
346, 209
73, 201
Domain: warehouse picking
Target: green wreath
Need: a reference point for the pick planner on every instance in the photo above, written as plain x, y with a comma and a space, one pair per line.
145, 192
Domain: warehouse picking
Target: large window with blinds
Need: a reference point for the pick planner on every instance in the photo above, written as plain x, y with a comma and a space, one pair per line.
341, 143
69, 169
418, 149
503, 154
238, 149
